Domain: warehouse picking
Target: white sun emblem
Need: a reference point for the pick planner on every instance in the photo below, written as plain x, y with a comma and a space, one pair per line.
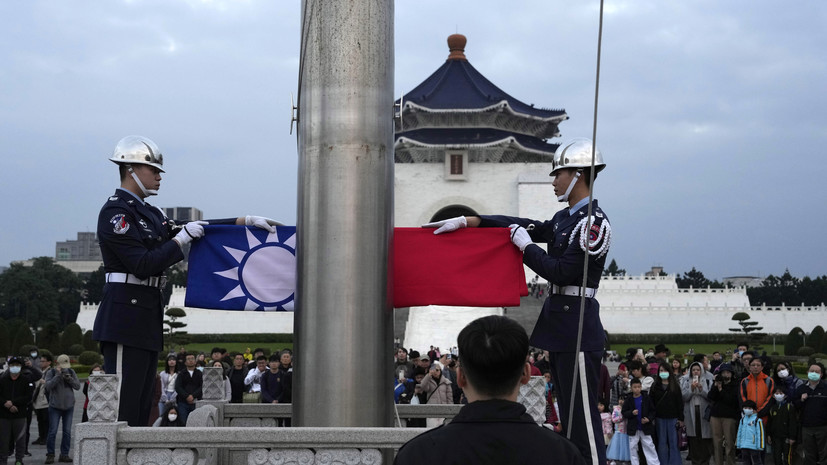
266, 273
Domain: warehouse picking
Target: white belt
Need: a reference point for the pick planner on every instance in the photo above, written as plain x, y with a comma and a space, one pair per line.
152, 281
573, 290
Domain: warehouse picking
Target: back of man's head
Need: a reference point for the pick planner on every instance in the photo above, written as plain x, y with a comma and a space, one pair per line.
493, 351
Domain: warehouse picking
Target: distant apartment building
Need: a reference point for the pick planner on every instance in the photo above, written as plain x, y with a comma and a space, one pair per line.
85, 248
182, 215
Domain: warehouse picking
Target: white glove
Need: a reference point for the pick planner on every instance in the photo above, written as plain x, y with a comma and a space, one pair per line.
520, 237
261, 222
190, 231
449, 225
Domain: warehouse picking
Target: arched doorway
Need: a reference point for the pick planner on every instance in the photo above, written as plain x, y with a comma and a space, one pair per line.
452, 211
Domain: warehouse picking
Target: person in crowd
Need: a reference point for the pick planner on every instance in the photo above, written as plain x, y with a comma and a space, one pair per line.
724, 414
228, 390
61, 382
403, 364
784, 376
639, 370
40, 403
742, 369
271, 382
236, 375
782, 427
437, 388
247, 355
695, 386
418, 397
493, 428
541, 361
188, 387
668, 400
257, 352
15, 394
677, 367
168, 378
286, 368
171, 417
811, 401
751, 435
30, 371
604, 386
95, 369
606, 420
424, 361
403, 389
639, 412
620, 385
253, 378
717, 360
758, 387
617, 451
552, 413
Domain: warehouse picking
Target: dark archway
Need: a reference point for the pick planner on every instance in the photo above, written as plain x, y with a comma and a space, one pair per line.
452, 211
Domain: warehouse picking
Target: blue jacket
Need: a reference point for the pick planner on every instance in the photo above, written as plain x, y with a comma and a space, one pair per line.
556, 328
750, 433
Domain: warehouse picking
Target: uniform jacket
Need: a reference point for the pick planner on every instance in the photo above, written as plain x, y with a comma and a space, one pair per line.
61, 387
189, 385
556, 328
18, 391
134, 238
489, 432
647, 410
750, 433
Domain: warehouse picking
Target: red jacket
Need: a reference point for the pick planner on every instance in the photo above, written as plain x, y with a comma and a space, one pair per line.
758, 390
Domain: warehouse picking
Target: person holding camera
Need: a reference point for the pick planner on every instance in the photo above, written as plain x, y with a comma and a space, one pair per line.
61, 381
724, 414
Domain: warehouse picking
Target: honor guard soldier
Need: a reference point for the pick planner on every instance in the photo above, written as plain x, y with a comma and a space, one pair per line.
138, 243
570, 236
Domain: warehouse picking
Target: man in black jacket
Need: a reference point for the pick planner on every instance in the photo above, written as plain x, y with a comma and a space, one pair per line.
15, 395
492, 428
188, 386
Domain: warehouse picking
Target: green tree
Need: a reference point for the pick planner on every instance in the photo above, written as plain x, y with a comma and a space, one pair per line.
172, 332
5, 347
93, 286
696, 280
70, 336
49, 338
749, 328
776, 290
19, 335
88, 342
613, 269
40, 293
816, 338
793, 341
176, 276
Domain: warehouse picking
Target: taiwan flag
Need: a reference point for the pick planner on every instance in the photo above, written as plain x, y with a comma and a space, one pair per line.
247, 268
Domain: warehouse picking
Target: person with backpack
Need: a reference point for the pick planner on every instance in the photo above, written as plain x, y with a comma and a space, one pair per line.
751, 435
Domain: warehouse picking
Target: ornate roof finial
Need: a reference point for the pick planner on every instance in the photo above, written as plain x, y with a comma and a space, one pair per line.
456, 44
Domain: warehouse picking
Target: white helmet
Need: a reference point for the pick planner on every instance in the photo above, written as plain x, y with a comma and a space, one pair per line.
577, 153
132, 150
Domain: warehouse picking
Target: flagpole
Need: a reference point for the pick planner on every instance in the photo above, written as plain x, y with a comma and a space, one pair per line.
343, 316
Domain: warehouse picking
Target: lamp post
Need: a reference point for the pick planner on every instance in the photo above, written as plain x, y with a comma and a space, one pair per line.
803, 336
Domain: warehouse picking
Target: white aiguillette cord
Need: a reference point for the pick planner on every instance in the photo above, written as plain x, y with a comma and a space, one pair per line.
588, 247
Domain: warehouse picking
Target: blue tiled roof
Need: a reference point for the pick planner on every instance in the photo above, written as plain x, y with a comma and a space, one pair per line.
458, 85
474, 136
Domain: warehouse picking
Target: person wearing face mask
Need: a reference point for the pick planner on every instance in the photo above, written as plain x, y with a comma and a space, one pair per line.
784, 376
95, 370
666, 394
750, 435
171, 417
695, 386
811, 401
782, 427
724, 414
15, 394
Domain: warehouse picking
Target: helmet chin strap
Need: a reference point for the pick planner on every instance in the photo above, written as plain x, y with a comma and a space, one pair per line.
565, 197
147, 192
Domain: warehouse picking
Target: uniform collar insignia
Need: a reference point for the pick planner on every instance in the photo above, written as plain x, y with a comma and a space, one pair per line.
113, 198
143, 223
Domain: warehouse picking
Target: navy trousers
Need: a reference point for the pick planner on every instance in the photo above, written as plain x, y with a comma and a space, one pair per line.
136, 369
586, 426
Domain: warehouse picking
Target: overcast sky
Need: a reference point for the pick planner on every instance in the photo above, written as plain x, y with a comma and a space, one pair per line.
712, 114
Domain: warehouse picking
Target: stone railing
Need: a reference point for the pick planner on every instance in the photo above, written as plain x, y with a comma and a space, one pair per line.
222, 433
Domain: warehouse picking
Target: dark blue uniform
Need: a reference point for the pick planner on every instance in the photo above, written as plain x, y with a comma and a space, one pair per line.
557, 326
136, 244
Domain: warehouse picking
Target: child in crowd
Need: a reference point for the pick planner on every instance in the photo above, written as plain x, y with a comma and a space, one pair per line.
618, 451
750, 435
639, 412
782, 427
606, 419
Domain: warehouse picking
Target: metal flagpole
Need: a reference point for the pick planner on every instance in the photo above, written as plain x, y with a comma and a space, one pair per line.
343, 321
